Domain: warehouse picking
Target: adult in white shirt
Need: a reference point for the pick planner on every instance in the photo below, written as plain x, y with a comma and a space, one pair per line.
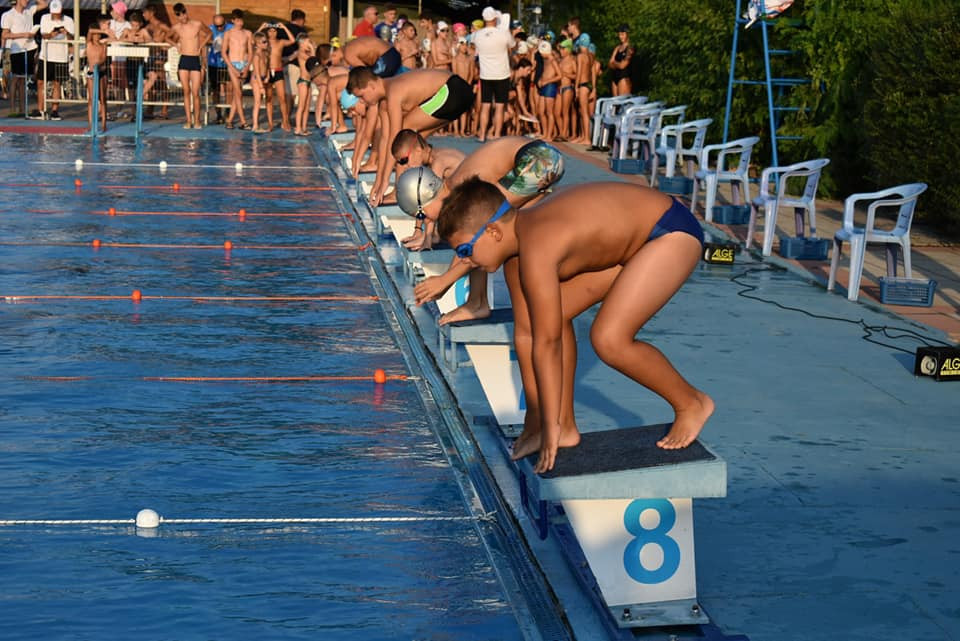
16, 31
118, 25
54, 56
493, 44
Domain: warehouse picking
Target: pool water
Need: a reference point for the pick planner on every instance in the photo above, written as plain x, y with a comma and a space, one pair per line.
88, 432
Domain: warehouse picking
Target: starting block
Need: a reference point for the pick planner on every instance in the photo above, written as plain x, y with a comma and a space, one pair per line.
441, 254
390, 219
622, 510
496, 329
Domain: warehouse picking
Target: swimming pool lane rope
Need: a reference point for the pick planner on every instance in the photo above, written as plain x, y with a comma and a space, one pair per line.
167, 165
379, 376
241, 214
150, 519
137, 297
227, 245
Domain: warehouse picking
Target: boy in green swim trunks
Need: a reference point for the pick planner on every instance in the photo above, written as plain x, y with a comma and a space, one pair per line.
424, 100
627, 247
522, 169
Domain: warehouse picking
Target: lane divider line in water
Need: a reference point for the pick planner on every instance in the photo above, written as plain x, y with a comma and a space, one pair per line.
228, 245
19, 185
379, 377
149, 519
224, 214
178, 187
79, 164
136, 296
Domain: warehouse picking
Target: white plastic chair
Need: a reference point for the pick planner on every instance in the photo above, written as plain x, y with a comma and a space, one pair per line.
672, 116
605, 115
710, 176
903, 196
636, 131
688, 142
771, 201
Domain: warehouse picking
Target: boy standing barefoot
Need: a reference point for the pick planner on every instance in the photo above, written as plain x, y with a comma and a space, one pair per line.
190, 36
627, 247
237, 53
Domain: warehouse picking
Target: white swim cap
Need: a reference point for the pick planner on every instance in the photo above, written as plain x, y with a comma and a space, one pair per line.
417, 187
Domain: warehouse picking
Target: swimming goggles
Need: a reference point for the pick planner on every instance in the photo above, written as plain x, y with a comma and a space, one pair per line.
465, 250
403, 161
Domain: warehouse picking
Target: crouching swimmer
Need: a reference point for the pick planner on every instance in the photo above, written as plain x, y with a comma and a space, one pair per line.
627, 247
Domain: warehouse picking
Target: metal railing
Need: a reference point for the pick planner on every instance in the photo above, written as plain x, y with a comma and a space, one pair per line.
150, 66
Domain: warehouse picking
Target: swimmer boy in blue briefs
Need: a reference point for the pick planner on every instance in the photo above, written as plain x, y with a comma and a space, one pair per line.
424, 100
627, 247
238, 54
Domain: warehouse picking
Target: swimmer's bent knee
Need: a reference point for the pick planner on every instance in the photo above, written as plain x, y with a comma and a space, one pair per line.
606, 344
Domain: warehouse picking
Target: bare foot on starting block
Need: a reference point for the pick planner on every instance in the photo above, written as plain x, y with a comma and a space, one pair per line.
555, 437
688, 423
467, 311
529, 440
368, 166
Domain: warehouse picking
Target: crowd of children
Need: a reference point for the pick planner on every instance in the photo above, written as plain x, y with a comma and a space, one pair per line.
545, 85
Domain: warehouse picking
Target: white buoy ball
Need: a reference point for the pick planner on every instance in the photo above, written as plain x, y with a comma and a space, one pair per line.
148, 518
238, 167
163, 166
78, 163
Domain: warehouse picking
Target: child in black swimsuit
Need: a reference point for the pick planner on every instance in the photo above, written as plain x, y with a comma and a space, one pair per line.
620, 63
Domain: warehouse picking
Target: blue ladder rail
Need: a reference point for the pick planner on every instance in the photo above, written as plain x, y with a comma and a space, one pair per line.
774, 111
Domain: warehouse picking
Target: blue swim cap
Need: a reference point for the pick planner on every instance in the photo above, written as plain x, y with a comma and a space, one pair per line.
592, 47
549, 35
347, 100
583, 40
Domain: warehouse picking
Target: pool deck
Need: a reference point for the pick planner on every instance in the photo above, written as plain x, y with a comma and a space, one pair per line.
842, 517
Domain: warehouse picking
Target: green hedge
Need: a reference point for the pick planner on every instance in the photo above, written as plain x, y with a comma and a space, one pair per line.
883, 102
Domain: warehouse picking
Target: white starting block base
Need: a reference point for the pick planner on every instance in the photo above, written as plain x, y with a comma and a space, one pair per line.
638, 546
489, 346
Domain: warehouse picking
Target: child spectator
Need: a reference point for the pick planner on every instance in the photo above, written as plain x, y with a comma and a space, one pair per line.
306, 54
237, 53
260, 82
98, 36
277, 80
619, 63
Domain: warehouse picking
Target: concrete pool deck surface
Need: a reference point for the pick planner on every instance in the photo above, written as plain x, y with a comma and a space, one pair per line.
842, 518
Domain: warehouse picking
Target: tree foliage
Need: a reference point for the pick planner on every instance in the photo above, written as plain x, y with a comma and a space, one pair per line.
882, 101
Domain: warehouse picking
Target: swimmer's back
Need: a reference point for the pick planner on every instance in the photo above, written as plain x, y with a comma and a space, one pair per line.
491, 161
592, 226
446, 161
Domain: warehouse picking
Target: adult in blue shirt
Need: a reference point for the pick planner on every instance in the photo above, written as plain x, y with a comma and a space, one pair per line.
387, 30
219, 79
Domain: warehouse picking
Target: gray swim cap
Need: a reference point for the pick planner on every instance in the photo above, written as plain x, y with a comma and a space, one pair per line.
416, 187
